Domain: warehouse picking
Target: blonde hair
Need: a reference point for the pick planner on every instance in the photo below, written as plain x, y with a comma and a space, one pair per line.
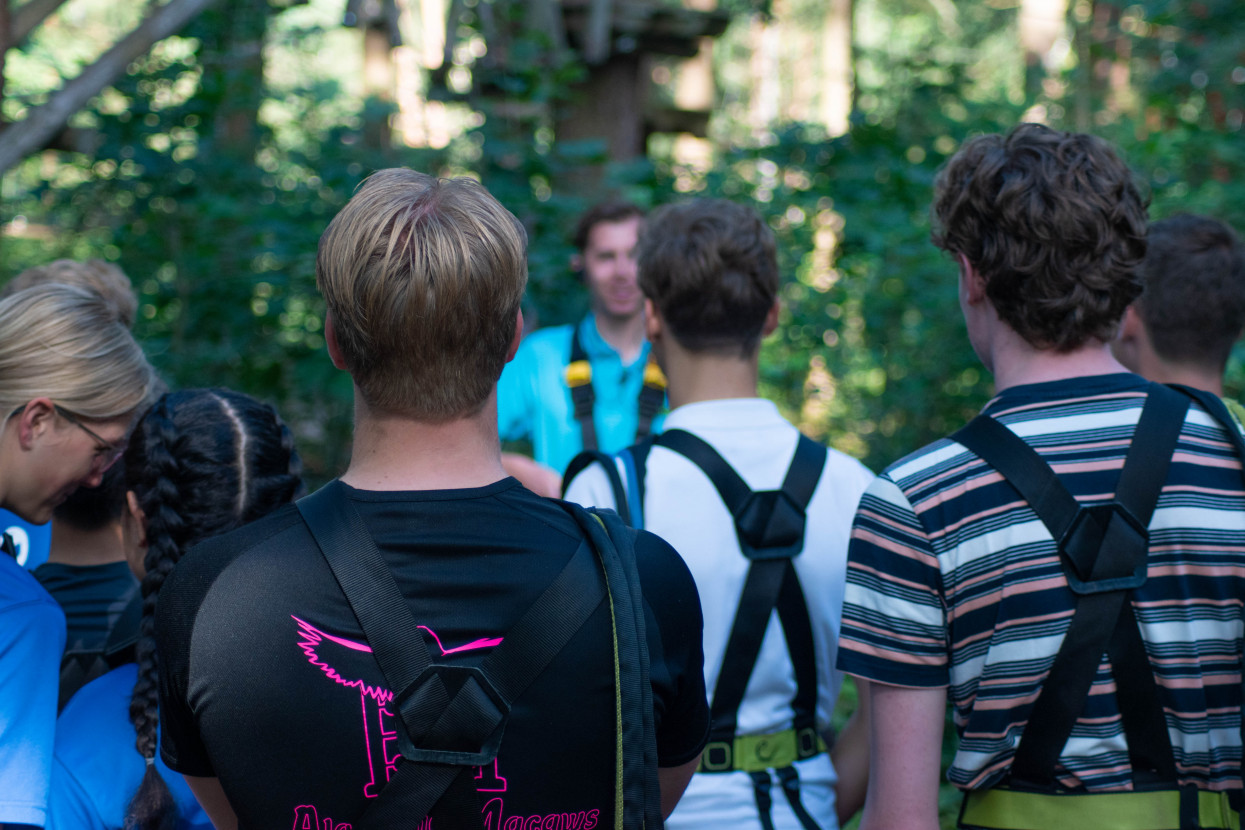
69, 344
423, 278
104, 278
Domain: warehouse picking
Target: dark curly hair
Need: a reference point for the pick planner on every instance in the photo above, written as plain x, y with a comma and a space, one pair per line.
710, 267
1194, 303
200, 462
1054, 223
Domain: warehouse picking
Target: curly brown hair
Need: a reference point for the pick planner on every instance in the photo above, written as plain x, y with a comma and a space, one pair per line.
1054, 223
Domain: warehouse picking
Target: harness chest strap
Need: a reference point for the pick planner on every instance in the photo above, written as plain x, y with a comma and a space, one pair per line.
578, 378
1103, 550
770, 528
442, 737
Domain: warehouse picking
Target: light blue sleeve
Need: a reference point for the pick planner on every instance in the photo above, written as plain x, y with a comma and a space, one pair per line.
32, 639
515, 399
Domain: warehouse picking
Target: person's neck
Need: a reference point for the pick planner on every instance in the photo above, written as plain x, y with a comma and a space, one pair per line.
624, 335
394, 452
1016, 363
1159, 370
85, 548
707, 376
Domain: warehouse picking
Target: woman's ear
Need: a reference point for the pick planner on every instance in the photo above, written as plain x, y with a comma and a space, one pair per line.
34, 418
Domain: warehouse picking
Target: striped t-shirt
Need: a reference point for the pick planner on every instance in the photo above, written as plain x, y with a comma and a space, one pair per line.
953, 581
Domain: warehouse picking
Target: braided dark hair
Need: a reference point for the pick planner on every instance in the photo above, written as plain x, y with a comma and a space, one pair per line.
200, 462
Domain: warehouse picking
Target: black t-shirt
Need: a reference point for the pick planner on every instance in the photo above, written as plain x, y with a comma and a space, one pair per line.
267, 681
92, 597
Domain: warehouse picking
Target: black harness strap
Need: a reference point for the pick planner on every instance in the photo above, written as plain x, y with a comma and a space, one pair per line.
1103, 550
579, 379
586, 459
442, 736
770, 528
583, 398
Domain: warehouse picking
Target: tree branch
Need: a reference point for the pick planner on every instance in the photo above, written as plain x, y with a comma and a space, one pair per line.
44, 121
30, 15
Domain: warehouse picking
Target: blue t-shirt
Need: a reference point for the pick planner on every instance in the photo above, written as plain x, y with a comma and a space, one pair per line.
32, 541
97, 769
32, 637
534, 402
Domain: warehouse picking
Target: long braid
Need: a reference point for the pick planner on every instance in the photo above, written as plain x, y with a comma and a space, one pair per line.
222, 459
152, 807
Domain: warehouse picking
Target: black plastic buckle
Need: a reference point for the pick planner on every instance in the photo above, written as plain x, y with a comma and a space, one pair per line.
806, 743
488, 725
1109, 533
718, 757
770, 525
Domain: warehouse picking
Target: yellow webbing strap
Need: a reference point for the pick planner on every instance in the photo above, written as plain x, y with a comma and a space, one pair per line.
1002, 809
578, 373
754, 753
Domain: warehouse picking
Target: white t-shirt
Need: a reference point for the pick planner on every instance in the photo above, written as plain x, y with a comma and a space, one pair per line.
682, 506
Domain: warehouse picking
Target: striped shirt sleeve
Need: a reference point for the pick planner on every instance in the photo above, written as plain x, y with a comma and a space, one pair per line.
894, 621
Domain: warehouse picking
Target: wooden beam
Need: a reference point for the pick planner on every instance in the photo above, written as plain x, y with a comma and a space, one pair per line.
43, 122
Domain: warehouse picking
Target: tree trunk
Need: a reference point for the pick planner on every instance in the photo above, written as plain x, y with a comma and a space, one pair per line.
46, 120
1042, 23
837, 67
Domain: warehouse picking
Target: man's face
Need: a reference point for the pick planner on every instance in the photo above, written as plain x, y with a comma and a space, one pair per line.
608, 263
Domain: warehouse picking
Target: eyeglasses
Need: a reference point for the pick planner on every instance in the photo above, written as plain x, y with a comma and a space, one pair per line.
106, 452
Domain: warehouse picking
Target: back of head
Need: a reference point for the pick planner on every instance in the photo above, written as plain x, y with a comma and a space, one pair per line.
200, 462
599, 214
104, 278
69, 344
93, 508
710, 268
1194, 301
1055, 225
423, 278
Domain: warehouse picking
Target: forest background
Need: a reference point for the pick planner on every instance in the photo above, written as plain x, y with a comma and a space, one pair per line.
209, 165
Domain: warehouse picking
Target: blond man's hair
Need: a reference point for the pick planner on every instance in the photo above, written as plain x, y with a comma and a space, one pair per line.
104, 278
68, 343
423, 278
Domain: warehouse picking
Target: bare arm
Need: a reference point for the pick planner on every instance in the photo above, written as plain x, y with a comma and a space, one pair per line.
212, 798
905, 757
541, 480
851, 757
673, 781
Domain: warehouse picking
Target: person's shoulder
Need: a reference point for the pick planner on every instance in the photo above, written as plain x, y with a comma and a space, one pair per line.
99, 702
549, 340
664, 576
207, 559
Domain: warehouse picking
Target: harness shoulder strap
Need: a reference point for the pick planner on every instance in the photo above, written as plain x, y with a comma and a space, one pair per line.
587, 458
579, 380
442, 737
1104, 550
770, 529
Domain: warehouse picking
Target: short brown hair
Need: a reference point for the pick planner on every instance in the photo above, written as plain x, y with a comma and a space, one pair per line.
104, 278
423, 279
1055, 225
710, 267
614, 211
1194, 301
